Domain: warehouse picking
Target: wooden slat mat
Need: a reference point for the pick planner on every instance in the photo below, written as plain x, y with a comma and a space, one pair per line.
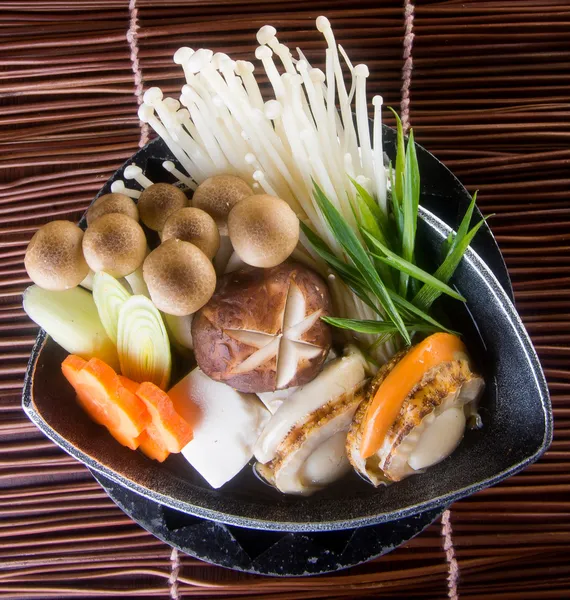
486, 86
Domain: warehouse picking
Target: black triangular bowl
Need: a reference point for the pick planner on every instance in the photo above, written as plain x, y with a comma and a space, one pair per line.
516, 410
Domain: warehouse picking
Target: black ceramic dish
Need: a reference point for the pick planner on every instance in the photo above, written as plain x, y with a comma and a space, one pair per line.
516, 408
277, 553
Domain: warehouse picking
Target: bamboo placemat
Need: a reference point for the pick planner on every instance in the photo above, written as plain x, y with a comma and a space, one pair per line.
486, 86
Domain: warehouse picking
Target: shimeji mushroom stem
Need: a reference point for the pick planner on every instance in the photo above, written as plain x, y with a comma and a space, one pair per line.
118, 187
169, 166
135, 172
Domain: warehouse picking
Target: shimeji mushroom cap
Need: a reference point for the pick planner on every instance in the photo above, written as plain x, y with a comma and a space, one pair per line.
263, 230
195, 226
116, 244
217, 196
112, 203
54, 258
180, 277
158, 202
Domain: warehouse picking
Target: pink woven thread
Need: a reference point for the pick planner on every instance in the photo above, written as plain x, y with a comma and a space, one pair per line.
408, 64
132, 38
452, 565
174, 570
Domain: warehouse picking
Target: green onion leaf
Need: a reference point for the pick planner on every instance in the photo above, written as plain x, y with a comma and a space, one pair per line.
375, 327
463, 226
357, 254
349, 275
370, 202
400, 158
410, 269
410, 202
408, 309
427, 294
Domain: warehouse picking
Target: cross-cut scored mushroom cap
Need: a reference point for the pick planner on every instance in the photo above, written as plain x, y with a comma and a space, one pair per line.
262, 328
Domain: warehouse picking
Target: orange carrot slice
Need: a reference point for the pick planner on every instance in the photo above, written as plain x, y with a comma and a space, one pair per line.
106, 400
174, 430
150, 441
408, 372
151, 444
71, 367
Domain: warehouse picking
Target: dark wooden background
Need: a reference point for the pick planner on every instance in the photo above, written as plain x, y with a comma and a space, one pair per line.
489, 95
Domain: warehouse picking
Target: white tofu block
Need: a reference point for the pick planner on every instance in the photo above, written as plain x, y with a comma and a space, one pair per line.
226, 425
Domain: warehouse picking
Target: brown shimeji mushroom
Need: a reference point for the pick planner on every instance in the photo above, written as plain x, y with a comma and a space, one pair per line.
116, 244
112, 203
195, 226
263, 230
262, 330
217, 196
180, 277
54, 259
158, 201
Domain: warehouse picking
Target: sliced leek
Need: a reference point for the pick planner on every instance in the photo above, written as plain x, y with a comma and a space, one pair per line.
70, 317
142, 342
109, 296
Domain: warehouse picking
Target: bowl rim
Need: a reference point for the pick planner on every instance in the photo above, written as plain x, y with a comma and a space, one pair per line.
484, 272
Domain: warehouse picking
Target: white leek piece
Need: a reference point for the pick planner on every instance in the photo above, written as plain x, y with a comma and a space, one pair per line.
180, 329
142, 342
109, 296
70, 317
